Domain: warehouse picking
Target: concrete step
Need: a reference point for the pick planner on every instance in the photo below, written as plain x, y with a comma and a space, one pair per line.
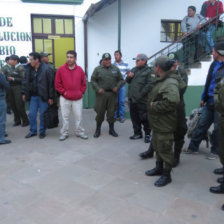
195, 65
206, 58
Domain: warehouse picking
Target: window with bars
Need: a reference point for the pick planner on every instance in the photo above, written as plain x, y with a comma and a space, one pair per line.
170, 30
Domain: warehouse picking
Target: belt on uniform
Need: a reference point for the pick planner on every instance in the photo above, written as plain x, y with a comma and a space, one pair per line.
108, 90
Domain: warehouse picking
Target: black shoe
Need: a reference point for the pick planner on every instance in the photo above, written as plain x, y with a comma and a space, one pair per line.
97, 132
220, 180
5, 142
16, 124
30, 135
24, 124
217, 190
112, 131
164, 179
147, 138
6, 135
42, 135
135, 136
147, 154
158, 170
223, 207
219, 171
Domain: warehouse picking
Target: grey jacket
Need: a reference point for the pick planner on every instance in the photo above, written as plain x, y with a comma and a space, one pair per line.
190, 24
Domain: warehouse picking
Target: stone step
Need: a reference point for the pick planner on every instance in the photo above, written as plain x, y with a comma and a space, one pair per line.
206, 58
195, 65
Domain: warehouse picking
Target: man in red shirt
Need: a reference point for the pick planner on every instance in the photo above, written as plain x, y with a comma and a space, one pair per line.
70, 82
209, 10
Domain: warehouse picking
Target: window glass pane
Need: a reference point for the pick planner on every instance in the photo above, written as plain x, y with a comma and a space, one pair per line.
48, 49
170, 31
68, 26
37, 25
39, 46
59, 26
47, 25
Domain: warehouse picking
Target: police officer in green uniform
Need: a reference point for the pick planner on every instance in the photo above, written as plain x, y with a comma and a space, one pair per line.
140, 82
219, 105
5, 69
15, 77
106, 81
162, 103
181, 128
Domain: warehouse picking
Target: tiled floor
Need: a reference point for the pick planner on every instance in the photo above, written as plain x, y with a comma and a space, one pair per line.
100, 181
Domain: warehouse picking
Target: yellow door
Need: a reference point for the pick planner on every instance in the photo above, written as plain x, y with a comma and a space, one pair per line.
61, 46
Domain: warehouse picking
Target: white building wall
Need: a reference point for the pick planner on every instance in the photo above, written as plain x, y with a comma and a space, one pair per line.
141, 24
21, 19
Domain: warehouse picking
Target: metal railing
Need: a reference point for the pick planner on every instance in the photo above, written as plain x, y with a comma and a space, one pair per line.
192, 48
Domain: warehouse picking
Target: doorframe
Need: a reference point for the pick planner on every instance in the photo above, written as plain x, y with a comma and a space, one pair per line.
45, 36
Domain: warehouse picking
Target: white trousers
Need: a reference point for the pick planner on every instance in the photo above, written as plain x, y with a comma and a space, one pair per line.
76, 107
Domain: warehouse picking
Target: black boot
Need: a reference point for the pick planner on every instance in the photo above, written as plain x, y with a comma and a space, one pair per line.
158, 170
176, 159
112, 131
223, 207
97, 132
164, 179
217, 190
220, 180
219, 171
147, 154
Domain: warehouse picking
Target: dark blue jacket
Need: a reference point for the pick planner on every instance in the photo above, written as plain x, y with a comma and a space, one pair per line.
218, 76
3, 84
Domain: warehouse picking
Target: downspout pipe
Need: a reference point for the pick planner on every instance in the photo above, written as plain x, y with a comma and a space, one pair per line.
119, 24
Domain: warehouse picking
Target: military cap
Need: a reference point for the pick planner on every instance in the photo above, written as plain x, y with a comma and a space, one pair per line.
141, 57
219, 47
44, 54
106, 56
162, 61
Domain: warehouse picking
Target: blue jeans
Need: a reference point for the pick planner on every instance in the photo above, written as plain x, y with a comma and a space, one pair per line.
120, 111
2, 118
36, 103
209, 116
209, 39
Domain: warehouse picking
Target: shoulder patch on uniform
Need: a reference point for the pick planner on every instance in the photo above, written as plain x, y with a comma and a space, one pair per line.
153, 75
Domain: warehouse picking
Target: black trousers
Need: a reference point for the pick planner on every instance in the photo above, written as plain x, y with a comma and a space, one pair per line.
189, 43
181, 128
138, 113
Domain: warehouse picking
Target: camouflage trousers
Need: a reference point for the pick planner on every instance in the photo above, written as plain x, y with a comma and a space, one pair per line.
163, 145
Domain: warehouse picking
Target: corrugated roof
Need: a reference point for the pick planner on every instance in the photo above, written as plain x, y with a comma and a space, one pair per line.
97, 7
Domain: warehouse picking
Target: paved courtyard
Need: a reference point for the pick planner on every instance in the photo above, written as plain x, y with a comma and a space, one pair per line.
100, 181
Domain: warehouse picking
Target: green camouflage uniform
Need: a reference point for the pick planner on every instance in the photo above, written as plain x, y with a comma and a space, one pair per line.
107, 79
219, 104
15, 97
5, 70
162, 116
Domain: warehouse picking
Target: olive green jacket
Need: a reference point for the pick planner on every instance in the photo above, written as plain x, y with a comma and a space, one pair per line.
164, 98
5, 69
219, 97
183, 74
106, 78
141, 84
17, 72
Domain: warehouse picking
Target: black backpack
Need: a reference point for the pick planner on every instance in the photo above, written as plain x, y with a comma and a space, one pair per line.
51, 117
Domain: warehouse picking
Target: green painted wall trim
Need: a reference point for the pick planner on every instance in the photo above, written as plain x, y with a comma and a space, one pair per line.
192, 98
69, 2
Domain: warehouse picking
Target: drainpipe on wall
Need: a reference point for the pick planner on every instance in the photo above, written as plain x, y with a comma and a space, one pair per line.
86, 59
119, 24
